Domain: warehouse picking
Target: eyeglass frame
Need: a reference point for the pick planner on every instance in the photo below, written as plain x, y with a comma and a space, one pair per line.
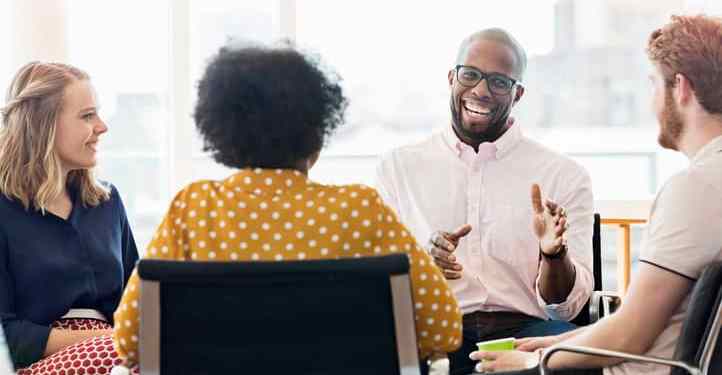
484, 77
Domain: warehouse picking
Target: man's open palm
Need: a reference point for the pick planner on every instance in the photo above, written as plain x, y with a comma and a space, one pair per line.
549, 222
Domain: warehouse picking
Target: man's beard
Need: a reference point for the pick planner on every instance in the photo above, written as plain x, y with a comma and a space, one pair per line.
671, 125
493, 130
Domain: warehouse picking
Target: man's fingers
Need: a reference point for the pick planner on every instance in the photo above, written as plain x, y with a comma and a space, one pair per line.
527, 346
438, 239
460, 232
552, 206
561, 227
442, 254
452, 275
445, 264
479, 355
536, 200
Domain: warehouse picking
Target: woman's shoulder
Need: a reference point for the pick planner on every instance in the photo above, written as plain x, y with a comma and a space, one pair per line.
353, 195
196, 191
198, 188
113, 197
352, 191
8, 206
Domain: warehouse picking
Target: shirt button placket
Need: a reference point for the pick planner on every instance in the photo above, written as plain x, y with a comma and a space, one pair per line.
472, 210
473, 217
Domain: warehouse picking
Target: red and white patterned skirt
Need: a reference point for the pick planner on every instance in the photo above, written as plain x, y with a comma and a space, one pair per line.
92, 356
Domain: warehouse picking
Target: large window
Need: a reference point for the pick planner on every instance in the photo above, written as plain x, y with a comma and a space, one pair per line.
213, 24
125, 51
587, 89
6, 57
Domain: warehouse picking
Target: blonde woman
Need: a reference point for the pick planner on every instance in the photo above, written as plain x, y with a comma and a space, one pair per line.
66, 250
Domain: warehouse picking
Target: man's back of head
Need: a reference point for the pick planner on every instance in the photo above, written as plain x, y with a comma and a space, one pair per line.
687, 58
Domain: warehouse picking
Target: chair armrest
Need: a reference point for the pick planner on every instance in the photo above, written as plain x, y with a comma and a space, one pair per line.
544, 370
603, 303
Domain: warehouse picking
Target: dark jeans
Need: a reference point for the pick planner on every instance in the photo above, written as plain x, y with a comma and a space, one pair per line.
483, 326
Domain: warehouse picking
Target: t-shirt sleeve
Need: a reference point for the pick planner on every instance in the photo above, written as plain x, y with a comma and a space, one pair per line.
683, 234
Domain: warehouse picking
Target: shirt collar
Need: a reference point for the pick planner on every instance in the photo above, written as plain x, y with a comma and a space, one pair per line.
267, 181
503, 145
711, 148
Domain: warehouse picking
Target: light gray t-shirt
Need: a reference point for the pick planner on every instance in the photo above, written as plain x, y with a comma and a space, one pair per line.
684, 235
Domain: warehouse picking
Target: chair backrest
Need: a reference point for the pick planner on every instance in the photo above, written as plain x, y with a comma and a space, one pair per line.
350, 316
583, 318
6, 364
699, 343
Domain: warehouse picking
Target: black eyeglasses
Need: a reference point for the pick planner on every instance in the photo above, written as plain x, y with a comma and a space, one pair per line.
498, 84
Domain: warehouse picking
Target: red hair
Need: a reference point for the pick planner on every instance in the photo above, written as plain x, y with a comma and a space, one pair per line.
691, 46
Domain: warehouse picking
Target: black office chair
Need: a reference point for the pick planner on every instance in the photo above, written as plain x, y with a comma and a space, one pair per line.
591, 311
698, 349
349, 316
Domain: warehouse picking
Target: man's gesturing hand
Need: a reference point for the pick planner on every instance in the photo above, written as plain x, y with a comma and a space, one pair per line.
550, 222
441, 247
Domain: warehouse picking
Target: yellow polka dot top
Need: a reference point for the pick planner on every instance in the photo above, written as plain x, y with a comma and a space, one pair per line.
275, 215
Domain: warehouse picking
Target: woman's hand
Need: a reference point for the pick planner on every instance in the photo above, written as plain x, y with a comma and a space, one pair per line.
60, 339
505, 361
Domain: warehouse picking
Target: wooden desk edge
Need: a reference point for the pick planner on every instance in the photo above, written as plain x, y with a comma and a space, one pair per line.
617, 221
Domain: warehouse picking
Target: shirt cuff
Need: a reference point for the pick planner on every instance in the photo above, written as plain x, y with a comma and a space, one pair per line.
26, 341
576, 299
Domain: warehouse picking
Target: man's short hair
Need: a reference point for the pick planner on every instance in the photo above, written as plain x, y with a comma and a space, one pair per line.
500, 36
691, 46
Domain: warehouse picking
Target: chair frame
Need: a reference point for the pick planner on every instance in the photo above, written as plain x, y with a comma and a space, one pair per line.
705, 360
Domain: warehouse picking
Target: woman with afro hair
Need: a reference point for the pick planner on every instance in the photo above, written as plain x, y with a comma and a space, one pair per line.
267, 112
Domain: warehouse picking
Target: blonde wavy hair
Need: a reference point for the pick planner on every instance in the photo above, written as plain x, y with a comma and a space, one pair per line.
30, 169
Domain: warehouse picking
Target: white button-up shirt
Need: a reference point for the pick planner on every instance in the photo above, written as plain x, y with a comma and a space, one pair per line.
442, 183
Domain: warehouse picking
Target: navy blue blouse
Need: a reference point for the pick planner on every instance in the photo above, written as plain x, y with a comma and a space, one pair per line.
49, 265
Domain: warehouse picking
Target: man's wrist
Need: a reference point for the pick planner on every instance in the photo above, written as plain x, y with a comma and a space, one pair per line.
560, 254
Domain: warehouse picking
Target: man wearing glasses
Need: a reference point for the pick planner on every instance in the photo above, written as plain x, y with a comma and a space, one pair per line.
519, 267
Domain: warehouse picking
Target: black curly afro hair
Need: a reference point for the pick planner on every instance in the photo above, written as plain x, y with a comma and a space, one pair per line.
267, 107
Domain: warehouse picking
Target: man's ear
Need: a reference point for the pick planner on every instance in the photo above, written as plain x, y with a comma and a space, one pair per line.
519, 93
683, 90
451, 77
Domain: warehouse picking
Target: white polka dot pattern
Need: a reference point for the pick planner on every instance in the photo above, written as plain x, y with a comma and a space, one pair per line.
277, 215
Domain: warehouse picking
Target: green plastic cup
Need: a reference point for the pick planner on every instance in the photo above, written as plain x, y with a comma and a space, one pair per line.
499, 345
